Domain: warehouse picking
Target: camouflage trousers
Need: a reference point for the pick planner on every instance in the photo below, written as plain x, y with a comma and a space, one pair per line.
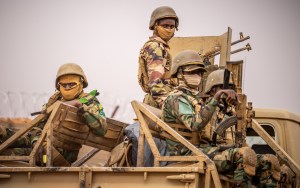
228, 162
22, 142
16, 152
21, 147
267, 171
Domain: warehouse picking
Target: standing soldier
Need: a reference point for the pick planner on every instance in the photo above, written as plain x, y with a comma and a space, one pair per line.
184, 106
155, 58
153, 73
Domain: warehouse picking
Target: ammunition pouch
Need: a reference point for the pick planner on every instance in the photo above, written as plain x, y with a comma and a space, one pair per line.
143, 76
246, 159
70, 131
120, 155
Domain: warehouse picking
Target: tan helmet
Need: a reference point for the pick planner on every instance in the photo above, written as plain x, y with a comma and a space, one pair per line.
215, 78
71, 68
186, 57
163, 12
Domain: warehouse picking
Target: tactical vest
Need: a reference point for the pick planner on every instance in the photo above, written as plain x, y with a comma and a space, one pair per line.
205, 136
191, 136
70, 131
143, 78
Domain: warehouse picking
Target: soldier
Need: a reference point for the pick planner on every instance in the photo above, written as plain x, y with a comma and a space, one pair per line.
154, 66
70, 82
214, 83
155, 58
267, 173
184, 106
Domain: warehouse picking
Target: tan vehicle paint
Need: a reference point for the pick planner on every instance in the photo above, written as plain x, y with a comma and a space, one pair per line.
192, 171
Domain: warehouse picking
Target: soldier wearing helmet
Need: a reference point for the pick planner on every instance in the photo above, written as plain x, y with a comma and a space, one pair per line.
184, 106
155, 58
214, 83
188, 67
267, 170
70, 81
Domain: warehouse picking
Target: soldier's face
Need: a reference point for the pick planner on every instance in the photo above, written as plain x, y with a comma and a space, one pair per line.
193, 78
70, 86
167, 23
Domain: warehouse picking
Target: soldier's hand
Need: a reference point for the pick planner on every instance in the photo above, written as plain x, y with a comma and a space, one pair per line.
231, 96
75, 103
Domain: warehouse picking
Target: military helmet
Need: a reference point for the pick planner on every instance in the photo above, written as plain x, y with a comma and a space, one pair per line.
186, 57
71, 68
215, 78
162, 12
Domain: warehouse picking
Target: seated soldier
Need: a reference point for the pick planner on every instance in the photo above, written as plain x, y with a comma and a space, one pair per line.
184, 106
214, 83
267, 168
70, 81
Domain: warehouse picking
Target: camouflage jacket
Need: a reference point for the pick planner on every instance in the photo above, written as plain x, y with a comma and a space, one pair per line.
156, 60
184, 107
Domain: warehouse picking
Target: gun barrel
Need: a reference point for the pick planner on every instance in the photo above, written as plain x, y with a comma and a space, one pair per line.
247, 47
217, 51
241, 40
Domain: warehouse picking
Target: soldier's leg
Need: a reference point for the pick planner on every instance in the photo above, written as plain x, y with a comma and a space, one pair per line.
17, 152
267, 170
132, 132
287, 177
22, 142
239, 161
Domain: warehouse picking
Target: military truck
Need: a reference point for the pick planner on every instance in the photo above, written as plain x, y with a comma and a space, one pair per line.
265, 130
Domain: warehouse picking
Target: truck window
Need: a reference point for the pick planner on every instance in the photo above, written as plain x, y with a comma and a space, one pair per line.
257, 143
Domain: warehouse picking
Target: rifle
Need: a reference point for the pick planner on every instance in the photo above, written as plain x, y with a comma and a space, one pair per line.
244, 113
229, 122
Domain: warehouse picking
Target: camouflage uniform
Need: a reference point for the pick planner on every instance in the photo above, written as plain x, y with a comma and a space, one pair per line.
156, 57
179, 109
184, 106
91, 111
267, 168
267, 171
155, 60
95, 118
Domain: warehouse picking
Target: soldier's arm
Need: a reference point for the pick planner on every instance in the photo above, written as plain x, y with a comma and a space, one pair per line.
195, 121
153, 55
95, 117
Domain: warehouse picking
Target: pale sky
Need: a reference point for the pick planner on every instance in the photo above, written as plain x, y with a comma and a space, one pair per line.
104, 37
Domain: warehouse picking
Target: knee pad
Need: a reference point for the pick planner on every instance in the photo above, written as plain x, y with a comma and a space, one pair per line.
246, 159
270, 163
